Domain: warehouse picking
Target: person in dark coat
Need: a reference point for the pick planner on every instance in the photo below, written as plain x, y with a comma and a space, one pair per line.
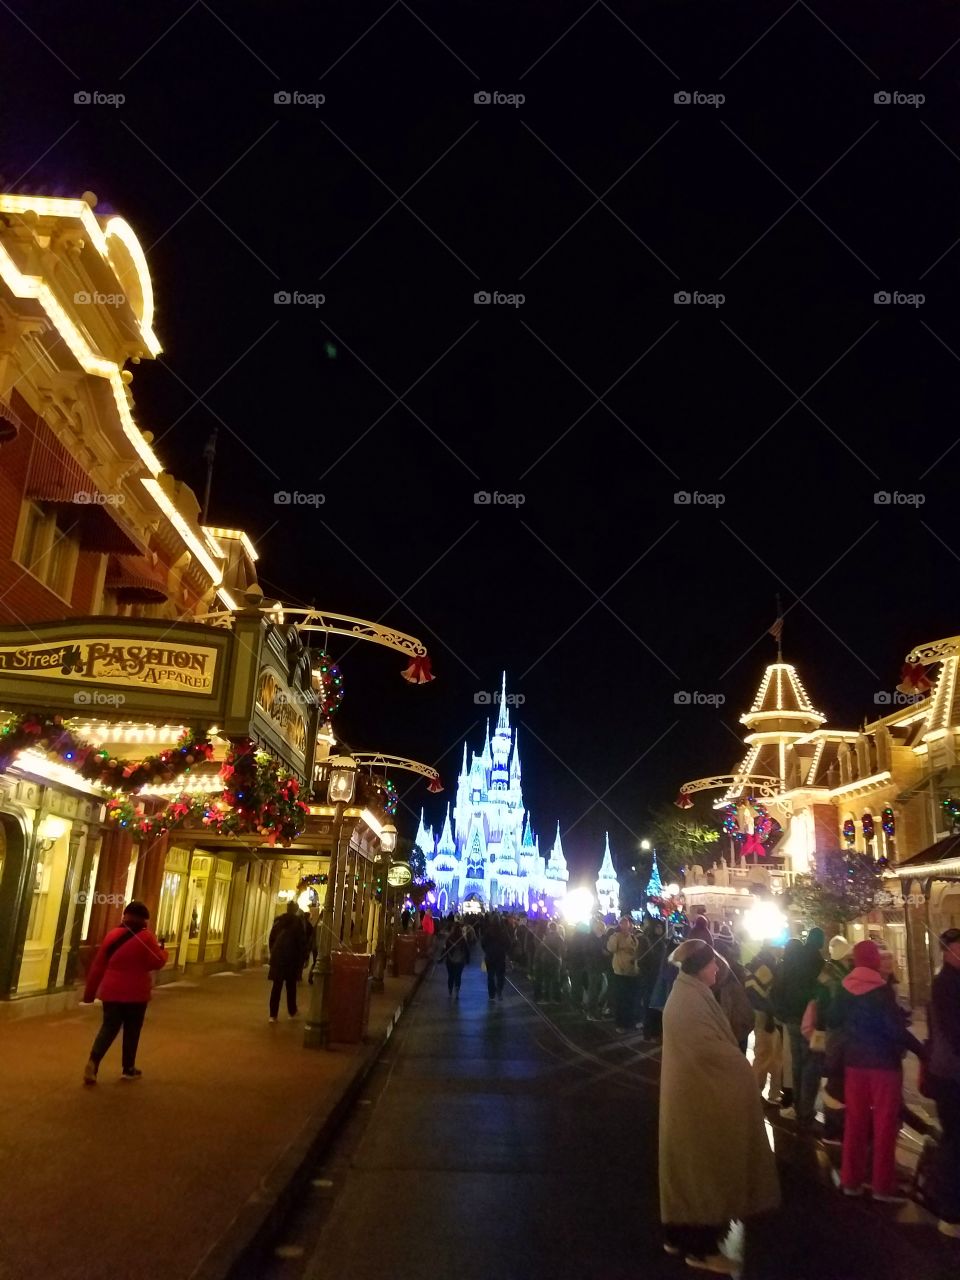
875, 1038
120, 976
495, 944
457, 955
649, 956
287, 953
794, 986
944, 1070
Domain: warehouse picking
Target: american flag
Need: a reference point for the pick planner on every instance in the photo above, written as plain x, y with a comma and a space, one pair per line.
776, 630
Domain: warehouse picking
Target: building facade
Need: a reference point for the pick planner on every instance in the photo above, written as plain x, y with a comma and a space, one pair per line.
887, 790
128, 623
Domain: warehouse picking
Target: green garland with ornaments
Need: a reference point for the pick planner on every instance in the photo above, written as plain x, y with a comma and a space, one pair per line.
40, 731
258, 798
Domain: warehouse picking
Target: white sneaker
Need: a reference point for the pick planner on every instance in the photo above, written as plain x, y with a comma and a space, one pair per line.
951, 1229
273, 1019
894, 1199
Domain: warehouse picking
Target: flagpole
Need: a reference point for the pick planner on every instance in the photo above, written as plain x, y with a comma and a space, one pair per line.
779, 630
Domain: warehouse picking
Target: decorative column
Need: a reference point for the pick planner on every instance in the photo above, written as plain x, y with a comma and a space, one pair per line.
148, 881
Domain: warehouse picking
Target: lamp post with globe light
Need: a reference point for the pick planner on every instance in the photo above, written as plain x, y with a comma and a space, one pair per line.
388, 844
341, 786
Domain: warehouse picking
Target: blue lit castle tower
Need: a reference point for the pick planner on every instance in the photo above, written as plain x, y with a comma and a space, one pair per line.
487, 849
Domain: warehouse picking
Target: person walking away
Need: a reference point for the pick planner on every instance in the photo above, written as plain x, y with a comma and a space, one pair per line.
622, 945
405, 919
494, 943
767, 1038
715, 1162
944, 1074
287, 944
546, 966
458, 955
875, 1038
120, 976
311, 929
839, 964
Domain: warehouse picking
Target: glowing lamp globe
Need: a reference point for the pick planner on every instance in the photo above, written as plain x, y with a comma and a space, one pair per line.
577, 906
388, 837
343, 779
765, 922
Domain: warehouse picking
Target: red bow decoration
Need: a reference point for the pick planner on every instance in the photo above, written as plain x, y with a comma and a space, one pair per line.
914, 678
418, 671
435, 786
683, 801
752, 844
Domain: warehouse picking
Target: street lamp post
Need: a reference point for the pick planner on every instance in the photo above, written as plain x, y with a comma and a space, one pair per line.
340, 789
388, 843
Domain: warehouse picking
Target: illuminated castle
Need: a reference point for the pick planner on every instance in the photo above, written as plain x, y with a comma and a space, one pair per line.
487, 849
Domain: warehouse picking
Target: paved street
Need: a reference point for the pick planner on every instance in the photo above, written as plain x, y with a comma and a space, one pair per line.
510, 1142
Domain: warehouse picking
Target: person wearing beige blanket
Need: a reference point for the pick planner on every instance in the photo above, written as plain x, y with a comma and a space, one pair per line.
715, 1161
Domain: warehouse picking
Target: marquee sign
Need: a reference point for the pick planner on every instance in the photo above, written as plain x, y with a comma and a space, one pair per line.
110, 660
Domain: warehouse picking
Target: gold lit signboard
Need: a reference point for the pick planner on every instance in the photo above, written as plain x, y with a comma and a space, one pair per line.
399, 875
173, 666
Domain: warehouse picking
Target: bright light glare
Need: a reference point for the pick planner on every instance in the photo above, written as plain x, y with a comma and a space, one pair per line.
577, 906
765, 922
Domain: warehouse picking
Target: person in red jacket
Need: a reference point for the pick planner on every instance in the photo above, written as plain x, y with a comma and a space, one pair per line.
120, 976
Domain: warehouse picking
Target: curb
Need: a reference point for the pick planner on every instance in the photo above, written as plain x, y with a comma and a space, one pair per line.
239, 1253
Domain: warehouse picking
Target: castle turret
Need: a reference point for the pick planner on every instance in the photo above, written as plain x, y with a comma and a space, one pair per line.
608, 886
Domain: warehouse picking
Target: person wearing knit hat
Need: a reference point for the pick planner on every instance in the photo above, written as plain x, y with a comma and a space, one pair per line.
839, 947
875, 1038
795, 985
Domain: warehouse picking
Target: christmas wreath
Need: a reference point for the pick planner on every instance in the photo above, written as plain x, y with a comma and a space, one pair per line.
766, 829
306, 881
258, 798
850, 832
47, 733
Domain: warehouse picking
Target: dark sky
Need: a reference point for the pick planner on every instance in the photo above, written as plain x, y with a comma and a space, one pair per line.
797, 399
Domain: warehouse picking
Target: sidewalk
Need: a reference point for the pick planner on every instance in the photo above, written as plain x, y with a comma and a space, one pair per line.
167, 1177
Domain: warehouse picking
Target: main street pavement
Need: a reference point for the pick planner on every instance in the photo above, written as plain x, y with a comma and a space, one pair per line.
166, 1177
506, 1142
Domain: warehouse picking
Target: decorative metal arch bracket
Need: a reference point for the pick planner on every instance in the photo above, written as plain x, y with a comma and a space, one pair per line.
934, 651
762, 784
377, 760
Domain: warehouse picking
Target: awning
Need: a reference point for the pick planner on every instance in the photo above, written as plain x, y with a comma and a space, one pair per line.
136, 580
10, 424
941, 860
55, 476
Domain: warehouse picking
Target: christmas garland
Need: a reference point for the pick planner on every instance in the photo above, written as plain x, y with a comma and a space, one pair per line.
868, 828
889, 823
47, 733
331, 686
257, 799
306, 881
850, 832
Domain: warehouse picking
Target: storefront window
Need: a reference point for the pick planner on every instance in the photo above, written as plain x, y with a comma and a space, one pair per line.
88, 895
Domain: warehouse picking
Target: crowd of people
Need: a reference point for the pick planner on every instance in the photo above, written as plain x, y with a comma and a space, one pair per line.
812, 1028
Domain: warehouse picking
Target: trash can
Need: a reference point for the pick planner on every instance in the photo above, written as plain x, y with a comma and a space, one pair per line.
349, 997
404, 954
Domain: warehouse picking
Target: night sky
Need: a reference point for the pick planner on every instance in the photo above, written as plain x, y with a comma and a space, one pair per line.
796, 399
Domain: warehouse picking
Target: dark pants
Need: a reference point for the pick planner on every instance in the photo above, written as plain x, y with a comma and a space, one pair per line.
115, 1016
695, 1241
496, 976
454, 976
948, 1169
807, 1069
546, 982
278, 985
624, 1002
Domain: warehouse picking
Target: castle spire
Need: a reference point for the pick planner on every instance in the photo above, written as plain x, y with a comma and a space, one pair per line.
503, 721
